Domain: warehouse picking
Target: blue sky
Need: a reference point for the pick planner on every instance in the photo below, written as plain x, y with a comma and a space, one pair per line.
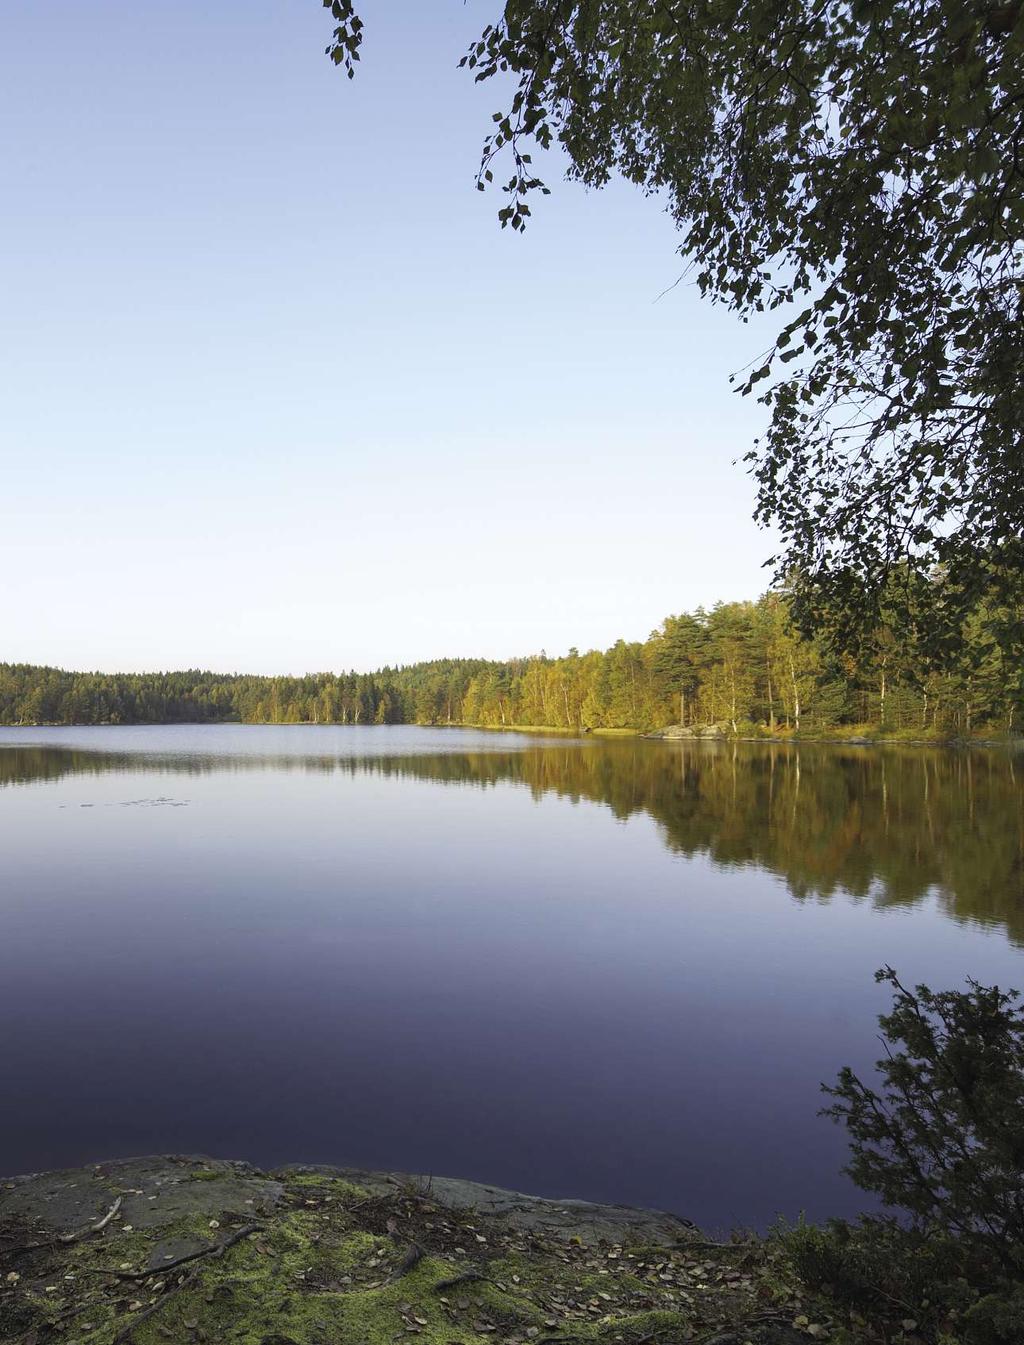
278, 394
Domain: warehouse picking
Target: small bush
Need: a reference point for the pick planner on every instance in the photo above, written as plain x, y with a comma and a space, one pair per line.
942, 1143
996, 1319
884, 1272
944, 1139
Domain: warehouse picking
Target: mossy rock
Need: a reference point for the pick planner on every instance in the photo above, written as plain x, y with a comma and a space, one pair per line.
204, 1252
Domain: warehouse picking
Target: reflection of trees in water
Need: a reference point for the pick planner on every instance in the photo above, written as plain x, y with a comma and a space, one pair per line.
889, 825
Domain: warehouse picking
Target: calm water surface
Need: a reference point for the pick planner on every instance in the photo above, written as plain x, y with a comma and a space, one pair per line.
616, 970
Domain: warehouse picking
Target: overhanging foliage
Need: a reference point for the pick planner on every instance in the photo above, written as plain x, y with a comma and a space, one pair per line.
856, 166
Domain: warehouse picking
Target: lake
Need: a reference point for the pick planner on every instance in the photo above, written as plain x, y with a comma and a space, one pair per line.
608, 969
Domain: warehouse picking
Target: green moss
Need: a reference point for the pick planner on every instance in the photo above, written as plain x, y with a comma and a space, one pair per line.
259, 1297
315, 1189
642, 1326
330, 1266
322, 1181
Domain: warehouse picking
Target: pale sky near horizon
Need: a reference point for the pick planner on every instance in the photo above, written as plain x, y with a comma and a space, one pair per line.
278, 395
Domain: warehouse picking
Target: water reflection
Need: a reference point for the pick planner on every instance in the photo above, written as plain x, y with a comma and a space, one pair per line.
891, 826
609, 969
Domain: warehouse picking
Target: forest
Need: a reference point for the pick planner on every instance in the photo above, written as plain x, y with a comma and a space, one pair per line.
740, 666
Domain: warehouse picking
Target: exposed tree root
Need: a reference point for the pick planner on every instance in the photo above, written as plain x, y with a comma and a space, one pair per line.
214, 1249
467, 1277
65, 1239
412, 1258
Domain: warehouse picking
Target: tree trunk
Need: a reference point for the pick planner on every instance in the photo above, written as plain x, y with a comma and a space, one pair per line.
881, 699
771, 698
732, 702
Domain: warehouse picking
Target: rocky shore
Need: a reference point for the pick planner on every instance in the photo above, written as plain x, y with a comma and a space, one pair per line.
195, 1250
723, 732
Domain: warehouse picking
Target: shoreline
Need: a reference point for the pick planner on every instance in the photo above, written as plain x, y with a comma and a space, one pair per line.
669, 734
194, 1249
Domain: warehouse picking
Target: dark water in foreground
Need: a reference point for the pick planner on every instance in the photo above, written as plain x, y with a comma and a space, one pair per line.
615, 970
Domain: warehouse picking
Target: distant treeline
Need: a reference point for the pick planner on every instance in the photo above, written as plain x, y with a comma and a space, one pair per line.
739, 665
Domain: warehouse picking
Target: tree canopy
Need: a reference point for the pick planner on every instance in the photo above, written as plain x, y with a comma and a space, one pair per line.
856, 165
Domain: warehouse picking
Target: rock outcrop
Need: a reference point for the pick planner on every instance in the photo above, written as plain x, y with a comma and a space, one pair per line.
163, 1250
691, 731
